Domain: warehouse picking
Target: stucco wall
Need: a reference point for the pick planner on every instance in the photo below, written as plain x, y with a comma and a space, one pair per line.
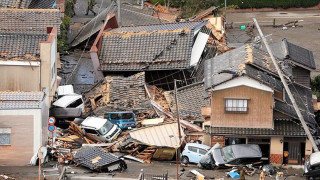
276, 150
32, 130
19, 78
20, 150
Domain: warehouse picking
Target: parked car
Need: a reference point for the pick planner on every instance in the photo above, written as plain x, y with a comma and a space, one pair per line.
193, 152
232, 155
69, 101
125, 120
312, 166
101, 128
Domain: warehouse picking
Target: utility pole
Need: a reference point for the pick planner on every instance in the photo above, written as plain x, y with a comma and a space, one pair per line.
178, 120
119, 14
284, 82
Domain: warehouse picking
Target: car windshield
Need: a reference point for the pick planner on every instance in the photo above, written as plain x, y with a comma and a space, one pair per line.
227, 154
105, 128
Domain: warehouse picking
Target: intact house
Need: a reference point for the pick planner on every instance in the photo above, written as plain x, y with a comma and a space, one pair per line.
23, 126
250, 106
164, 51
28, 76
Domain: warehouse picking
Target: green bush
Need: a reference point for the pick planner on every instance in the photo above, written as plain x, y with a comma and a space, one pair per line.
315, 86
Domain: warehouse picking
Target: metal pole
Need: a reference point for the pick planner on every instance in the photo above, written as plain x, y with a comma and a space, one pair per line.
296, 108
142, 4
178, 120
119, 14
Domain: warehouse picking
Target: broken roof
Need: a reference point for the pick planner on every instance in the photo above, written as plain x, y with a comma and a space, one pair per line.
29, 20
20, 46
297, 54
256, 63
21, 100
15, 3
191, 99
204, 13
165, 135
131, 15
152, 47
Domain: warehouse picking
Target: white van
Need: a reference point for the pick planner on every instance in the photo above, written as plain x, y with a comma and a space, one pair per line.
65, 90
101, 128
70, 101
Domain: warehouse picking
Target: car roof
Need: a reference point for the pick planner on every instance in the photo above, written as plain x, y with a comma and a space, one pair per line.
315, 158
119, 112
94, 122
64, 101
198, 145
246, 150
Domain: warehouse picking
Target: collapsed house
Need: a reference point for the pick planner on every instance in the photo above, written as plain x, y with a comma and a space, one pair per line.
163, 51
250, 105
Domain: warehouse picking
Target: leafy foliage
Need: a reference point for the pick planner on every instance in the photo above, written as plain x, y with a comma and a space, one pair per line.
315, 86
63, 44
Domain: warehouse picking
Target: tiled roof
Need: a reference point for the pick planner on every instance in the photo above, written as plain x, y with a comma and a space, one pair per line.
41, 4
255, 63
191, 99
21, 100
130, 16
300, 55
15, 3
153, 47
19, 46
282, 127
28, 20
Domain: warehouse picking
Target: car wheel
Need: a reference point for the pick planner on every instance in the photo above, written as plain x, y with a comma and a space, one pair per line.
185, 160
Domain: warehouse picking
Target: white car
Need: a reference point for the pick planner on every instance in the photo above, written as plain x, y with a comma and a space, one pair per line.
101, 128
193, 152
70, 101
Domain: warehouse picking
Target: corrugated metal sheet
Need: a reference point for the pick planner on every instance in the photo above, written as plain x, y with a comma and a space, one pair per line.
165, 135
21, 100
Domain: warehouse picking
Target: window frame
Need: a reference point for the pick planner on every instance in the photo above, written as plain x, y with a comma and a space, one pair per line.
6, 131
236, 108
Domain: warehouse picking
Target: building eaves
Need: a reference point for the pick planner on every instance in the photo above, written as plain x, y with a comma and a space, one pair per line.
21, 100
29, 20
20, 46
282, 127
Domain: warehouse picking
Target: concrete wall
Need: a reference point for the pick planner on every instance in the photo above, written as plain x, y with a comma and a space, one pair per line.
276, 150
49, 60
27, 130
19, 77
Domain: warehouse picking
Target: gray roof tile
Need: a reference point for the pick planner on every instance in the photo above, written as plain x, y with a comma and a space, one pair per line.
282, 127
21, 100
28, 20
153, 47
20, 46
41, 4
15, 3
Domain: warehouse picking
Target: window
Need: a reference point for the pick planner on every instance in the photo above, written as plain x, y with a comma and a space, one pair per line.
202, 151
91, 131
75, 104
237, 105
5, 136
192, 149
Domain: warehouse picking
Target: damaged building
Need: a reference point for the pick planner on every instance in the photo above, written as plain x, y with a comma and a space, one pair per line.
250, 106
164, 51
